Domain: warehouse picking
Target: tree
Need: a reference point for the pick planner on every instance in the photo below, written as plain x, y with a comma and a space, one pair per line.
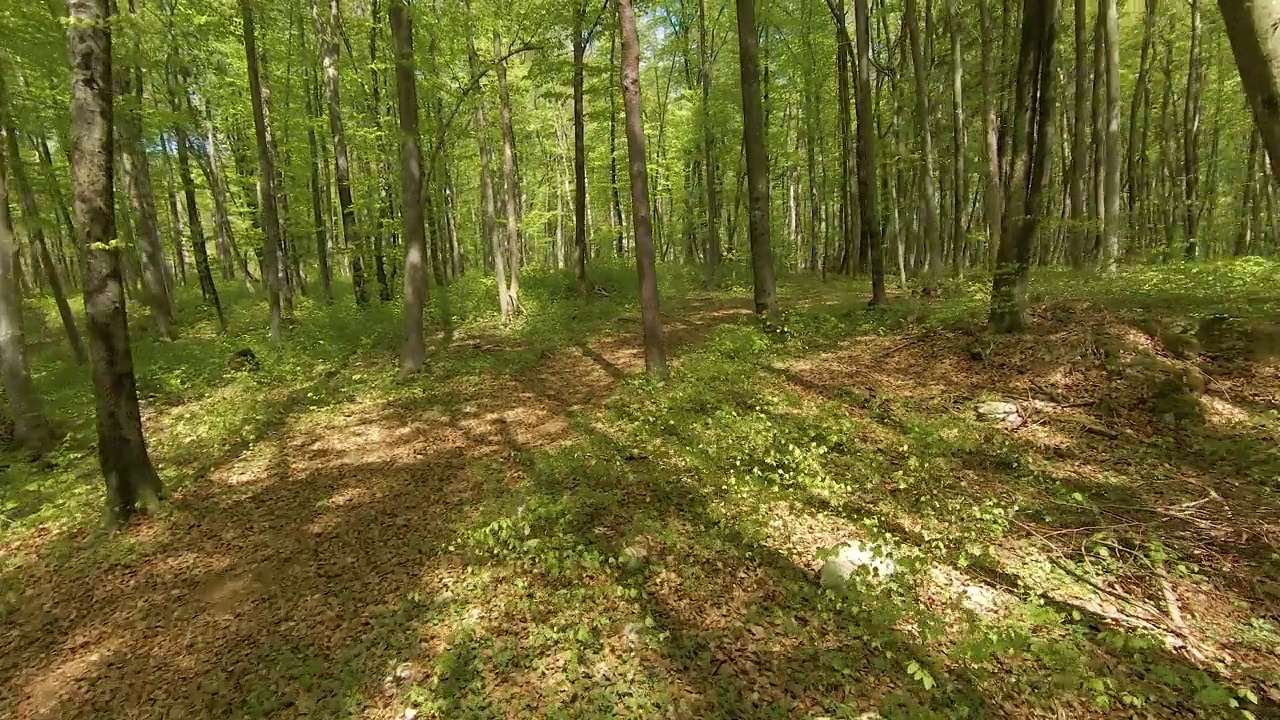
326, 35
1251, 28
266, 175
710, 187
1111, 183
1191, 139
35, 227
132, 482
31, 432
932, 237
1030, 155
511, 190
415, 247
766, 294
488, 219
655, 358
867, 184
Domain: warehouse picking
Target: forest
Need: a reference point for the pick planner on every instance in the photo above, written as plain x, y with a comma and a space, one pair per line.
396, 359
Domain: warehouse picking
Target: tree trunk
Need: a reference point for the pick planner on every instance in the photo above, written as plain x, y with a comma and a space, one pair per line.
959, 184
137, 174
199, 249
132, 483
176, 227
317, 217
579, 150
509, 176
1141, 98
868, 184
488, 221
325, 33
35, 229
416, 290
1079, 143
1191, 138
266, 176
710, 187
31, 432
1249, 206
1251, 27
932, 236
1031, 151
619, 238
655, 359
1111, 184
757, 158
993, 195
218, 185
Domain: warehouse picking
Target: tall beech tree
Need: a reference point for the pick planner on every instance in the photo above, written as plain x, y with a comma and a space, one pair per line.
132, 482
655, 358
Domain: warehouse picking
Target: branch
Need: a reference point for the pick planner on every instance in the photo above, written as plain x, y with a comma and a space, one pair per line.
596, 25
471, 86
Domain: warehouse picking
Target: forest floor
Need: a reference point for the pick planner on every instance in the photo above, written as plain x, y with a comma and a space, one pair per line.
531, 528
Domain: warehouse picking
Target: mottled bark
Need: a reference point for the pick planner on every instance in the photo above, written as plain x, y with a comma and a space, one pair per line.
131, 481
654, 354
266, 176
757, 162
511, 191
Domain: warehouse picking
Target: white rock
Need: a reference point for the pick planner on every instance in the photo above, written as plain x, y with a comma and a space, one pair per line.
1006, 412
837, 569
409, 714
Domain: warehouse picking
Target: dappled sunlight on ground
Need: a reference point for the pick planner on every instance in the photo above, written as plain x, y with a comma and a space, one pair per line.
531, 529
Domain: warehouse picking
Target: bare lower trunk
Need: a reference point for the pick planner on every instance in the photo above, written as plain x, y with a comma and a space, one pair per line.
325, 31
1191, 139
1030, 154
1251, 27
932, 236
1111, 184
266, 176
31, 431
757, 160
654, 354
868, 185
509, 177
35, 229
413, 353
132, 483
488, 221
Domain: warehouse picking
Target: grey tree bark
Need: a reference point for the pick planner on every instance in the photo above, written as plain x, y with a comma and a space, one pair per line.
655, 358
132, 482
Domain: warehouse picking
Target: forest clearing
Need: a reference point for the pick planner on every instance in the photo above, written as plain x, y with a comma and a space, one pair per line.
405, 359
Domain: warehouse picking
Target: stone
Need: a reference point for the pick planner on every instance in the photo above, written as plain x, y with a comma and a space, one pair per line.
1005, 412
838, 568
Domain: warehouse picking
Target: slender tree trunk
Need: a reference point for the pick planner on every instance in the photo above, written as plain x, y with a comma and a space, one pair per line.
1079, 142
1031, 151
132, 483
655, 359
35, 229
619, 228
317, 217
1111, 185
844, 57
137, 173
69, 264
993, 195
413, 354
218, 185
710, 186
1251, 27
488, 222
1191, 138
176, 226
868, 184
960, 188
1141, 98
199, 249
579, 149
1249, 206
31, 432
325, 32
757, 158
509, 176
266, 176
932, 236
